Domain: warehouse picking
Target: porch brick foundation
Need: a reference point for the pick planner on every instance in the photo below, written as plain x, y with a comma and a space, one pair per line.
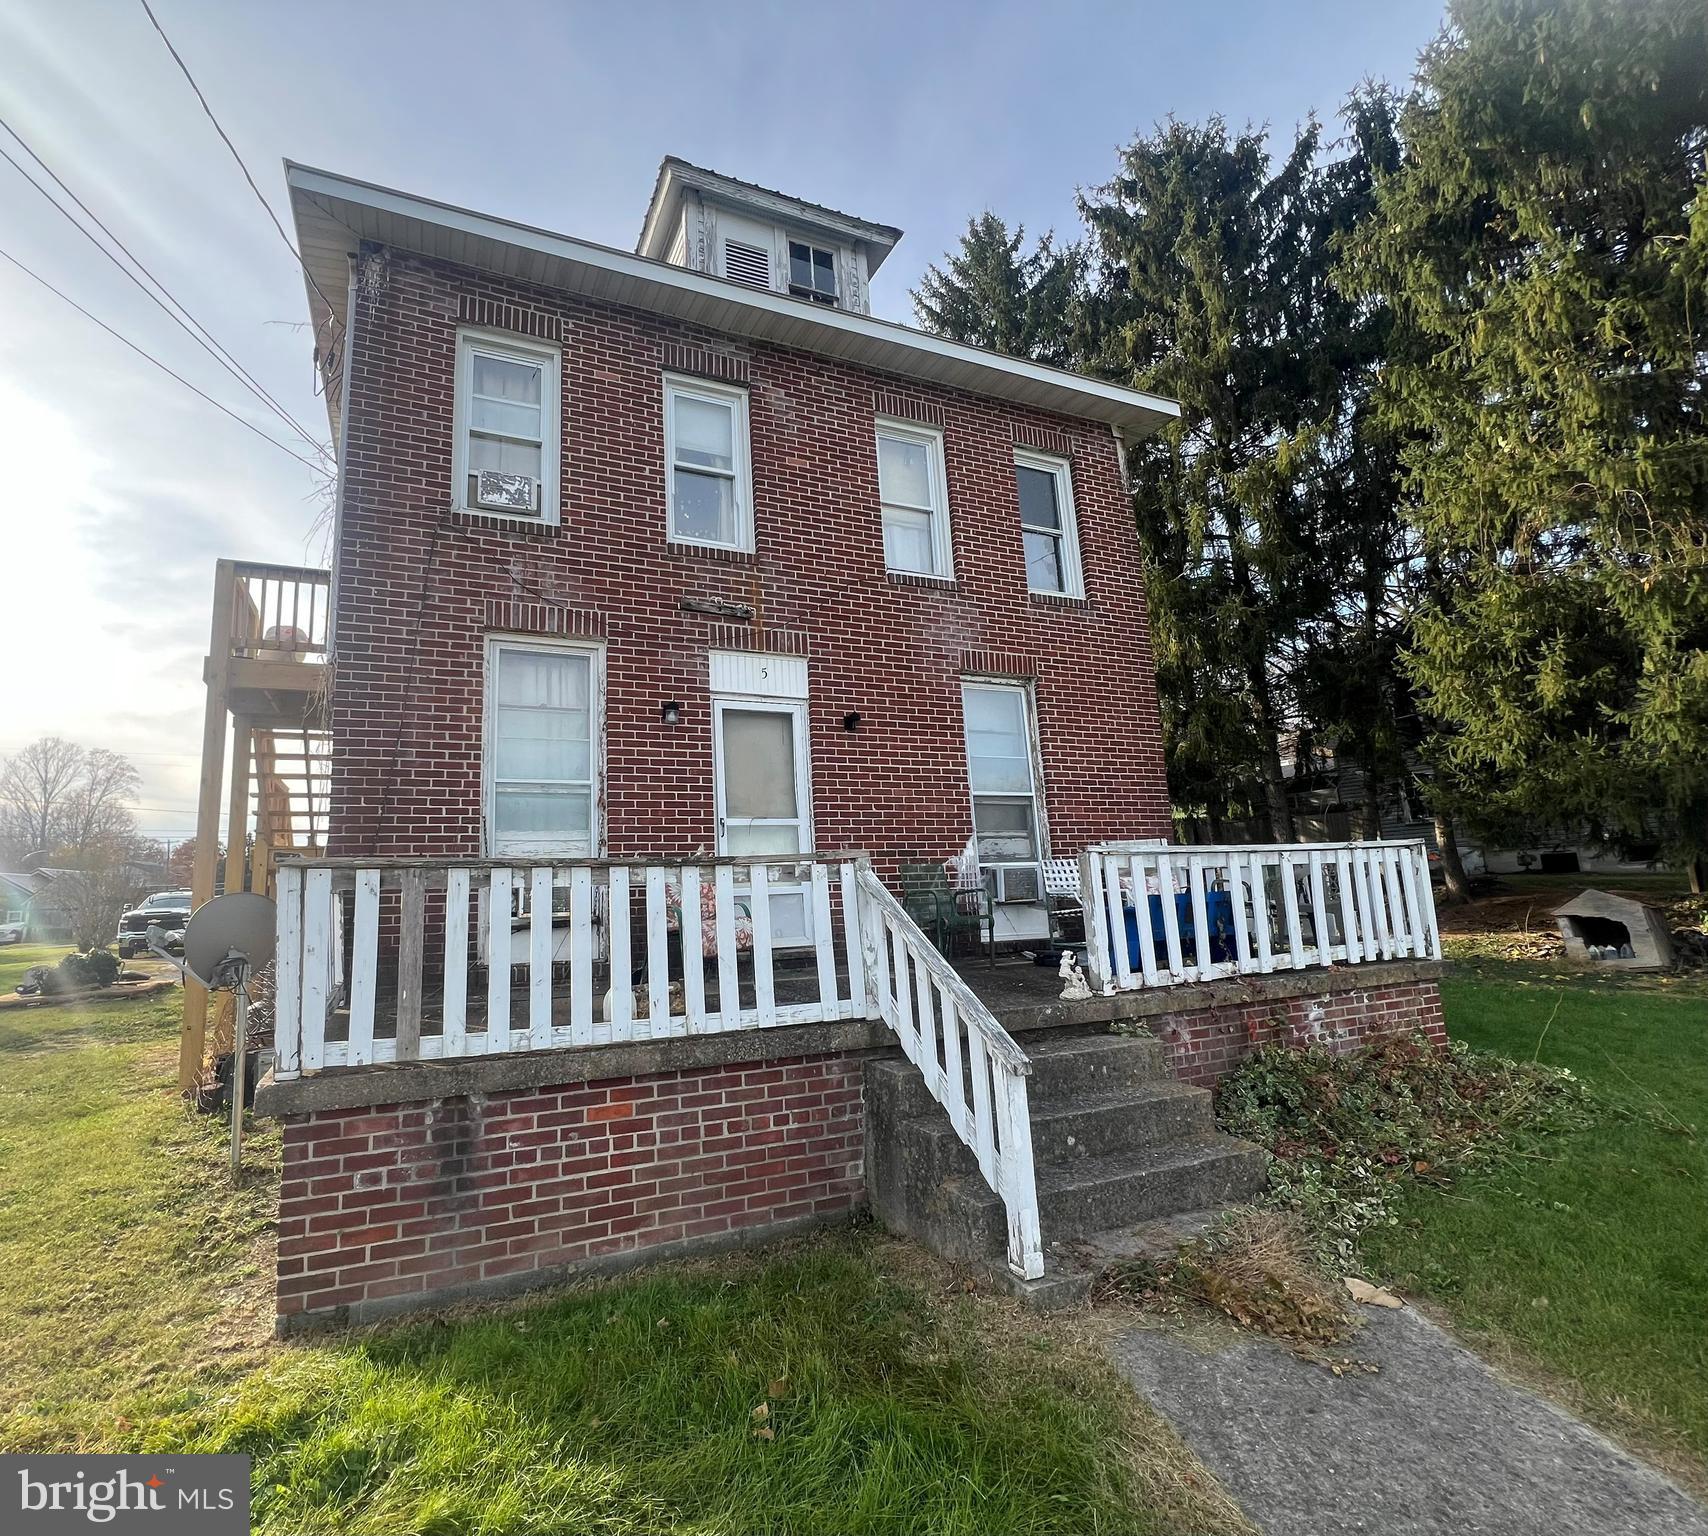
1204, 1044
389, 1207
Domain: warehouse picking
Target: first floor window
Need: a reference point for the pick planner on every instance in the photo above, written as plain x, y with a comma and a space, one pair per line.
912, 489
1047, 526
1000, 772
507, 445
705, 448
542, 750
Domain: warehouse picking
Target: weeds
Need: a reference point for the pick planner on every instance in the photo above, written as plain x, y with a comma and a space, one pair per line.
1257, 1267
1347, 1134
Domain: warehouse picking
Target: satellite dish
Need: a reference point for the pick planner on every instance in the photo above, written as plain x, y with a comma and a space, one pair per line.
229, 937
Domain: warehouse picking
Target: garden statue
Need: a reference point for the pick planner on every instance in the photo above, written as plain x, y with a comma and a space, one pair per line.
1075, 989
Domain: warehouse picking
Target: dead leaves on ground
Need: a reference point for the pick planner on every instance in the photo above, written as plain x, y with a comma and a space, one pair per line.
1370, 1295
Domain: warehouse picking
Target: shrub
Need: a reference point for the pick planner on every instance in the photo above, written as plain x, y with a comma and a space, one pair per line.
1346, 1134
93, 968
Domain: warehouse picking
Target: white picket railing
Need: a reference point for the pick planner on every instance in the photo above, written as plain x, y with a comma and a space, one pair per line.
573, 934
354, 985
971, 1064
1251, 910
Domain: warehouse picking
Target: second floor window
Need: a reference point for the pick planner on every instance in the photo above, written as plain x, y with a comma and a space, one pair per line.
812, 272
913, 491
1047, 525
507, 449
709, 481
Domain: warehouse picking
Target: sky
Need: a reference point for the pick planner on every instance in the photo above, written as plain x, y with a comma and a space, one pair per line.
121, 488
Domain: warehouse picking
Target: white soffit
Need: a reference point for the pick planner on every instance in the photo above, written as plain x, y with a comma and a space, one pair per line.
333, 213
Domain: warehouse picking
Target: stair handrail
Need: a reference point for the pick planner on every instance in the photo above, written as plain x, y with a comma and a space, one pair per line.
993, 1118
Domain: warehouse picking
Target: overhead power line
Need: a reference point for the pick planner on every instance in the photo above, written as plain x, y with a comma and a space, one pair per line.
5, 255
177, 58
184, 320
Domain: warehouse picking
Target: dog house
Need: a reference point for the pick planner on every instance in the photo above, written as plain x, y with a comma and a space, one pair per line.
1615, 931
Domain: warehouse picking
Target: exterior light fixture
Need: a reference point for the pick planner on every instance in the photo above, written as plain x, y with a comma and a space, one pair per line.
851, 720
670, 711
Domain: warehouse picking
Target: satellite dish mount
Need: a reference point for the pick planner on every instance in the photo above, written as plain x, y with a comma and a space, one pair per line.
228, 939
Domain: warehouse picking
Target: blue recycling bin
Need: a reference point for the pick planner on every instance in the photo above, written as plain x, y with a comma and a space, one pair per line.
1218, 913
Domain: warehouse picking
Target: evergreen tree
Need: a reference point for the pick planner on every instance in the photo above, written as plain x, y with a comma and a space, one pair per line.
1546, 243
1215, 266
991, 295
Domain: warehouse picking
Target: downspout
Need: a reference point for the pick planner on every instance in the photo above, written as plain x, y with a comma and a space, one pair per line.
343, 455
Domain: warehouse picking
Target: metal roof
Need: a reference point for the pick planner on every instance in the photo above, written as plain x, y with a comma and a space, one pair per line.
333, 213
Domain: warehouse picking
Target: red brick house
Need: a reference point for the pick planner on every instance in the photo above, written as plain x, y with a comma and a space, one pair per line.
655, 574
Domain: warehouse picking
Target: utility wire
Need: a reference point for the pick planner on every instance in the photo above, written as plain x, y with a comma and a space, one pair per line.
179, 61
205, 339
57, 293
231, 366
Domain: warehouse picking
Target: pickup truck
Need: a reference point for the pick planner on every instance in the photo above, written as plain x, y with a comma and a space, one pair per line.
165, 909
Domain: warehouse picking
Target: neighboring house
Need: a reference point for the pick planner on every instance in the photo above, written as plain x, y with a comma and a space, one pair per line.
18, 892
1328, 798
680, 612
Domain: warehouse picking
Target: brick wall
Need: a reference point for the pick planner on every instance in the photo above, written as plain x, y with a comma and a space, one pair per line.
399, 1204
1205, 1043
417, 588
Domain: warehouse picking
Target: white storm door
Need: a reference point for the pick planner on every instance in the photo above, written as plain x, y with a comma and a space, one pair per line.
759, 768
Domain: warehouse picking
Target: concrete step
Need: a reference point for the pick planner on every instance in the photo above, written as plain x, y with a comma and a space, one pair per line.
1096, 1126
1069, 1069
1065, 1069
1096, 1194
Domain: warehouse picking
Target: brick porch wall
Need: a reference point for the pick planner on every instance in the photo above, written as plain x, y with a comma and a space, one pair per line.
1206, 1043
397, 1205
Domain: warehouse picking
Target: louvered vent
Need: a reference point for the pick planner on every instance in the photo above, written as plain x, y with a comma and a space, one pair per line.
747, 264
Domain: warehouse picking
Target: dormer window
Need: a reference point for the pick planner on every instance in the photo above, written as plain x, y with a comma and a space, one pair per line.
812, 272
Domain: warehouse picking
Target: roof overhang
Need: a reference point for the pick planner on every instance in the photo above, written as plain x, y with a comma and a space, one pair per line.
334, 213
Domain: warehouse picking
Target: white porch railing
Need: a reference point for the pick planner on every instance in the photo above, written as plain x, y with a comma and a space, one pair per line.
413, 938
390, 961
1157, 915
971, 1064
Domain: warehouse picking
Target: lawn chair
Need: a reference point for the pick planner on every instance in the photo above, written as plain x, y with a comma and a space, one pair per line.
944, 910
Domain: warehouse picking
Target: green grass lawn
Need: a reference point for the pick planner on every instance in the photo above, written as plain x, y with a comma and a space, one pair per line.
135, 1310
15, 959
1589, 1261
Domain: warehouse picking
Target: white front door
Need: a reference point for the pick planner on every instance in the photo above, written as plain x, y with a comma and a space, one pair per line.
764, 805
759, 763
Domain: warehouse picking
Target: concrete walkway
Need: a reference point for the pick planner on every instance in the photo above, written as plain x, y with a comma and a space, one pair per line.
1434, 1444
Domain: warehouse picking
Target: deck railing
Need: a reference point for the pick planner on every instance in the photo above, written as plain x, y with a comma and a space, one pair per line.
279, 610
971, 1064
420, 960
1157, 915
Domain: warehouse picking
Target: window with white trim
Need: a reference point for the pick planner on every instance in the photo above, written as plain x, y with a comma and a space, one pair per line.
1048, 527
913, 491
709, 479
542, 749
812, 272
507, 440
998, 723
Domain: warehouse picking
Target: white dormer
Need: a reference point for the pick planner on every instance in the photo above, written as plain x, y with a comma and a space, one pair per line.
735, 230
